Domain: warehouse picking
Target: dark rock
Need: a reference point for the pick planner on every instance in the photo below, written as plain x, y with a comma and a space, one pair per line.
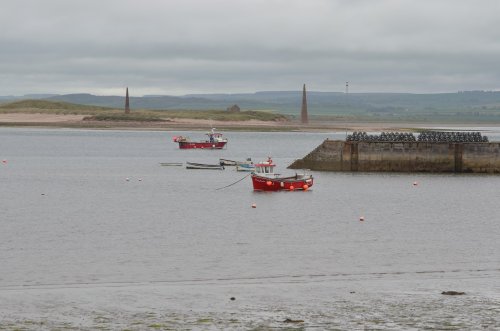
289, 320
452, 293
233, 298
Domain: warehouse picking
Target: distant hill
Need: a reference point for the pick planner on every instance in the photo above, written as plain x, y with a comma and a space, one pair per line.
191, 102
8, 98
467, 106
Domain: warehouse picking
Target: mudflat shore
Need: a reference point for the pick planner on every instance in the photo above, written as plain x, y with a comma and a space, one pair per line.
76, 121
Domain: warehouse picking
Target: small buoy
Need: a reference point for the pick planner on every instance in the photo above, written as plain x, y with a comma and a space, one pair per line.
4, 161
292, 188
254, 205
361, 218
305, 187
269, 183
140, 179
127, 179
233, 298
415, 183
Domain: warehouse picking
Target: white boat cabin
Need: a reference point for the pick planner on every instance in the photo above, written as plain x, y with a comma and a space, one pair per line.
265, 168
215, 136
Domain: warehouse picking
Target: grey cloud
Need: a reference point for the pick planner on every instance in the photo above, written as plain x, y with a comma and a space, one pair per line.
242, 46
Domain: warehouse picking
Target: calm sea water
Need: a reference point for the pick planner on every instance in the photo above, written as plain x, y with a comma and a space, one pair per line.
96, 234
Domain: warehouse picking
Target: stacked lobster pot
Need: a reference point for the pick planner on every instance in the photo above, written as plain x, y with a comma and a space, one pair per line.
425, 136
452, 137
383, 137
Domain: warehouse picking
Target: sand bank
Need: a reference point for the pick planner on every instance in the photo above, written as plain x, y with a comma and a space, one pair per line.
76, 121
38, 118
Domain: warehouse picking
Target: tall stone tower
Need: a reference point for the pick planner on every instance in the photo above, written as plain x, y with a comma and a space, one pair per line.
303, 113
127, 103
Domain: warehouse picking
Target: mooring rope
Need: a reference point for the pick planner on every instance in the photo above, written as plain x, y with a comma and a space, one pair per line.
239, 180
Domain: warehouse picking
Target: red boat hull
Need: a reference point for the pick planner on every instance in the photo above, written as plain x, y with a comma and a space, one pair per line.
202, 144
262, 183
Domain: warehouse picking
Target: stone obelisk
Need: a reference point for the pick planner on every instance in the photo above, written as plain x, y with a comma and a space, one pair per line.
303, 113
127, 103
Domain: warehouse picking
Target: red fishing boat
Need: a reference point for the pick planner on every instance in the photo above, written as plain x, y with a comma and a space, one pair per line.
215, 141
264, 179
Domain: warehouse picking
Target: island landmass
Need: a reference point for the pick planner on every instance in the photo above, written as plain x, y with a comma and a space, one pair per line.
44, 113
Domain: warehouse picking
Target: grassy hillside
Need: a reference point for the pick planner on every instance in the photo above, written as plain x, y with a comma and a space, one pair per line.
109, 114
52, 107
461, 107
222, 115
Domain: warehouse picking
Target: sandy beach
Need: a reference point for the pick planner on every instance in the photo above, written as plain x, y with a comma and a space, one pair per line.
76, 121
38, 118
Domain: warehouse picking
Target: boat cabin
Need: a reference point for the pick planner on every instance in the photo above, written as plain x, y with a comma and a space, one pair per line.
215, 136
265, 168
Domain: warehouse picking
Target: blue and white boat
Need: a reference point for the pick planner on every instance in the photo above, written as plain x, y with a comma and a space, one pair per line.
245, 167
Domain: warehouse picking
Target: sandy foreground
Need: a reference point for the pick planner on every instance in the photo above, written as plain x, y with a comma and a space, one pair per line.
76, 121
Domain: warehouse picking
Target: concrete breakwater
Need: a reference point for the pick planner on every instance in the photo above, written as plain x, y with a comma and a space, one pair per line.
415, 156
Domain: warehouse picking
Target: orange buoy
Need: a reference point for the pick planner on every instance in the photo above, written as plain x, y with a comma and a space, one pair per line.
305, 187
254, 205
292, 188
269, 183
361, 218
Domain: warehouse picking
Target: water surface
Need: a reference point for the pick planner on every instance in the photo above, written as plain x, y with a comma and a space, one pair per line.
95, 233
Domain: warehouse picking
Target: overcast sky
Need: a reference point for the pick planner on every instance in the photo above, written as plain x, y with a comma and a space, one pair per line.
178, 47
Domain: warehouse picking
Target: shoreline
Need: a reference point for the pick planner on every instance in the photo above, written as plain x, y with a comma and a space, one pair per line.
77, 122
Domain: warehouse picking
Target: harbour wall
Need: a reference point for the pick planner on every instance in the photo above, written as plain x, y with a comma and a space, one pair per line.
337, 155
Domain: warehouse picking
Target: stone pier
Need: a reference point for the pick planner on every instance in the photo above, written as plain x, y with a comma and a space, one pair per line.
337, 155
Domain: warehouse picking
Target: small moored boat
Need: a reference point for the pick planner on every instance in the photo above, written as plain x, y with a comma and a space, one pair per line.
215, 141
226, 162
245, 167
264, 179
192, 165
